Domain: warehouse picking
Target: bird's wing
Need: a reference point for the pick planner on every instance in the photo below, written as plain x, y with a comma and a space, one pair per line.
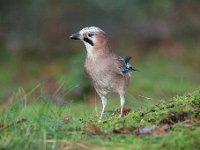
122, 64
118, 64
126, 59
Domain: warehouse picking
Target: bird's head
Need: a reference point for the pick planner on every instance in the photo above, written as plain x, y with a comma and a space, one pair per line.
93, 37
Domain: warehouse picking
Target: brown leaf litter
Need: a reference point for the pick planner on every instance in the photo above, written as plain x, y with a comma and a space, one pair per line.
143, 130
93, 128
175, 117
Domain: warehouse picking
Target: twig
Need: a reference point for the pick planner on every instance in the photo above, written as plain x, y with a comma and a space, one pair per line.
70, 89
58, 89
21, 120
32, 90
145, 97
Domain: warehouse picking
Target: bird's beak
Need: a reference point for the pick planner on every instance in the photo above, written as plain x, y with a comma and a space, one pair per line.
75, 36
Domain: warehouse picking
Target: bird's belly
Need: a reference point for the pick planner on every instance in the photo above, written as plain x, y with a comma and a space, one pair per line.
104, 84
109, 82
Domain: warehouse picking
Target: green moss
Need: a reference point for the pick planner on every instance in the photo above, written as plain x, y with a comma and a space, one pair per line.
50, 126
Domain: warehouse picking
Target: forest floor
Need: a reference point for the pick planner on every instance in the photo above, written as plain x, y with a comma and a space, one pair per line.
162, 108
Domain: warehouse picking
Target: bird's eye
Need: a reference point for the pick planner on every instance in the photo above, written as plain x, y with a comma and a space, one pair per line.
90, 34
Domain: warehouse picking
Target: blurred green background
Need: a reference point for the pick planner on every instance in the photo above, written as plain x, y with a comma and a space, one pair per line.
163, 37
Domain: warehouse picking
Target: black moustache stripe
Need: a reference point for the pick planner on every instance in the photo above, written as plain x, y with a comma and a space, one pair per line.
88, 41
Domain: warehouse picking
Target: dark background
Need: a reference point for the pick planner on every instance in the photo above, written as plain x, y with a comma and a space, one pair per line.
35, 48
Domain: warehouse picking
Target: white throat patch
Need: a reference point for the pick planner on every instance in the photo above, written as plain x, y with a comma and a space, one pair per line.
89, 48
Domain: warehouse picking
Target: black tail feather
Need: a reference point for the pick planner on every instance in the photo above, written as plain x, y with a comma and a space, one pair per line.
131, 68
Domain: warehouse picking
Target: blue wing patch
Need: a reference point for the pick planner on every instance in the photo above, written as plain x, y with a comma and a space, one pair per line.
126, 67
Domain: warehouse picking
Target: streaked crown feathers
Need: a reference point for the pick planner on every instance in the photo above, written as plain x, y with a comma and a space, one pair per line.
90, 29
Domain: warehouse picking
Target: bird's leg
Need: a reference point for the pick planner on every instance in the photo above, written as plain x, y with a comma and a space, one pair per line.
104, 102
122, 101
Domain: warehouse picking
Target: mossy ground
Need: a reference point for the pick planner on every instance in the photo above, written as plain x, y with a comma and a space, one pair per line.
44, 125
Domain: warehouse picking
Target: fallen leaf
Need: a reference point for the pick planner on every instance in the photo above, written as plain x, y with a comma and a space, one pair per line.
145, 130
123, 131
125, 111
93, 128
162, 130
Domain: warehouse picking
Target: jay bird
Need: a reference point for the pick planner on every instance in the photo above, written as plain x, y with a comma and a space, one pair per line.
109, 72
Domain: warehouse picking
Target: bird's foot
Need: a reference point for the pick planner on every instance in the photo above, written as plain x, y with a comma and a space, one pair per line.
120, 115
